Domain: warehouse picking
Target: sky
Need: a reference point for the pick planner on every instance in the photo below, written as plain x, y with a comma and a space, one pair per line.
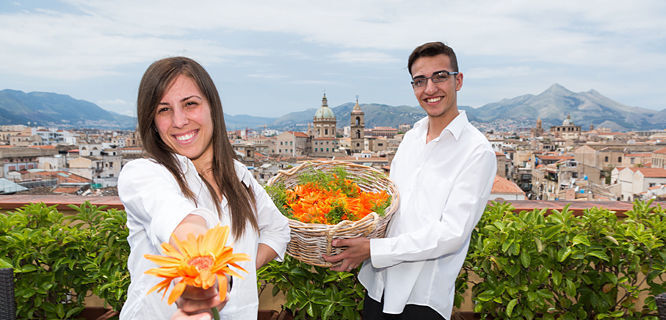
269, 58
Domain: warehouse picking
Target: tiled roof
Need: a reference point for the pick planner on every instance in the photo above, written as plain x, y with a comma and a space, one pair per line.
652, 172
299, 134
502, 185
661, 151
69, 190
62, 176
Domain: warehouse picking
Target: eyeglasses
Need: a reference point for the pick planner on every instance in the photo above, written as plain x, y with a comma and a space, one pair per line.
437, 77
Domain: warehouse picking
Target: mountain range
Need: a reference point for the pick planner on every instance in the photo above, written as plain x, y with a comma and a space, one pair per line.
552, 106
57, 110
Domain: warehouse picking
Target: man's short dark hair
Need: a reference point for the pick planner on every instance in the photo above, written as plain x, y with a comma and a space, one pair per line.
431, 49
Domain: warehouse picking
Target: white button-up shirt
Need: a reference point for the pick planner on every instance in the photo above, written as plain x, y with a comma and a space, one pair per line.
155, 205
444, 186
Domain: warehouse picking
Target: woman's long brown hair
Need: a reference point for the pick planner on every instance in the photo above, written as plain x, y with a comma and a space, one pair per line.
156, 80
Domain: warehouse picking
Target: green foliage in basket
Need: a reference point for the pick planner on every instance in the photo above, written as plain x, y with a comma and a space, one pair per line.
335, 179
314, 292
59, 260
561, 266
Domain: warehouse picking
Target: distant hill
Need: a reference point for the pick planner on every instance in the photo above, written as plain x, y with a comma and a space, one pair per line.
552, 106
586, 108
51, 109
376, 115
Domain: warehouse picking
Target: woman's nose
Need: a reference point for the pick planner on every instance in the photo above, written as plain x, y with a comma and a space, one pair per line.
179, 117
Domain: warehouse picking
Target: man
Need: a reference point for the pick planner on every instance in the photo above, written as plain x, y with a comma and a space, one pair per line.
444, 170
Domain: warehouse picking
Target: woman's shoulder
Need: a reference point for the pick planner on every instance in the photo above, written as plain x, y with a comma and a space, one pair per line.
243, 173
141, 164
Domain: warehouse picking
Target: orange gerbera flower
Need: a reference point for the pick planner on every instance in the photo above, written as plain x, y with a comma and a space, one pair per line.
197, 262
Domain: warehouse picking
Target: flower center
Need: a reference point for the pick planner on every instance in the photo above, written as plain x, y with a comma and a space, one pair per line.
202, 263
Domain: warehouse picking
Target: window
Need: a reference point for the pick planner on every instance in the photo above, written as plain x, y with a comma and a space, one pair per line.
619, 159
606, 159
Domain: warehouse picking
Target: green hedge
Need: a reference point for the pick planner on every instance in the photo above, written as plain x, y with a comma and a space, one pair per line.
535, 264
59, 260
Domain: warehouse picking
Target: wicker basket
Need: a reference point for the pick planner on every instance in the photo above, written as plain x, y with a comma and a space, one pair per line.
7, 302
661, 305
309, 241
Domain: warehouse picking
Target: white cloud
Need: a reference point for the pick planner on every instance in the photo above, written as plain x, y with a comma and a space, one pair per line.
494, 73
364, 57
91, 39
269, 76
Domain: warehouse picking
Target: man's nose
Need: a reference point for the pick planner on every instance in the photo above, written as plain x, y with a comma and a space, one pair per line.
430, 86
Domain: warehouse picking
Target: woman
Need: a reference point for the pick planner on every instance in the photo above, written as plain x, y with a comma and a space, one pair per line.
190, 183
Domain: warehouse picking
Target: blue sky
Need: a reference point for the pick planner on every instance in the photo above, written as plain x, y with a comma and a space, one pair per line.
269, 58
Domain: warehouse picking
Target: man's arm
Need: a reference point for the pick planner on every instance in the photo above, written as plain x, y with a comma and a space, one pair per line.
463, 210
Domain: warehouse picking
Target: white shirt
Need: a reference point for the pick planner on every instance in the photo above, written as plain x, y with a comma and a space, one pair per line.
155, 205
444, 186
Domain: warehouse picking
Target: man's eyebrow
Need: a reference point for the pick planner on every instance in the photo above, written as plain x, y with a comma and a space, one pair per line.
434, 73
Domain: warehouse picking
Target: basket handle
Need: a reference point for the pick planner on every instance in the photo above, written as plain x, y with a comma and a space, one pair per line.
331, 232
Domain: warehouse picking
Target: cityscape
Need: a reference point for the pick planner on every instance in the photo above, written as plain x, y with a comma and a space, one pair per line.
561, 162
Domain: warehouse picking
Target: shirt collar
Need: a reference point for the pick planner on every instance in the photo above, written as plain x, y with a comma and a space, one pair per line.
184, 162
455, 127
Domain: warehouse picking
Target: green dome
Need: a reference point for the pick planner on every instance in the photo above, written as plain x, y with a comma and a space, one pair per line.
324, 113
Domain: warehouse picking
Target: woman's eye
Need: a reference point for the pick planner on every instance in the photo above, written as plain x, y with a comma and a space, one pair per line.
191, 103
162, 109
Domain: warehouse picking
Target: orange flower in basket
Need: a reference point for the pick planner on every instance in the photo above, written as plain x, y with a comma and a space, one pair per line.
197, 262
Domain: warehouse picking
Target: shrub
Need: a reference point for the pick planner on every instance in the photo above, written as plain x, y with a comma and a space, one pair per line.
558, 265
314, 292
59, 260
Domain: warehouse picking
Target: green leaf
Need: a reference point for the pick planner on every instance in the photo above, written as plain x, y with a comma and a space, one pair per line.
525, 258
60, 310
510, 306
613, 240
581, 239
563, 253
5, 264
551, 231
27, 268
557, 278
538, 243
599, 254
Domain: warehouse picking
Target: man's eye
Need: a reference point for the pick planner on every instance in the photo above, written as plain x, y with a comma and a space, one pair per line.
441, 76
419, 82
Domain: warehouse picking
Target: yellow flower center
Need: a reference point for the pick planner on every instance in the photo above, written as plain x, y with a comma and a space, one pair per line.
201, 263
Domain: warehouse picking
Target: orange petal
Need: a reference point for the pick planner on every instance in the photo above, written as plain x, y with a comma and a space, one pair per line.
222, 287
163, 285
176, 292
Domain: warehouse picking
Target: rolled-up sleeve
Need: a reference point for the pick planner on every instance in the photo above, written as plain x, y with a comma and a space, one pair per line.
153, 199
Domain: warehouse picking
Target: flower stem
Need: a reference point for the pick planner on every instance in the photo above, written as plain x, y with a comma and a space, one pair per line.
216, 314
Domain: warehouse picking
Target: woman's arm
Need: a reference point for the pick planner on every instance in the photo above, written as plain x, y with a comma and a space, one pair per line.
264, 255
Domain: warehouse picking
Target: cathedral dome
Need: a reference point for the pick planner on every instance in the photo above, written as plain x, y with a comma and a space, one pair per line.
324, 112
567, 121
